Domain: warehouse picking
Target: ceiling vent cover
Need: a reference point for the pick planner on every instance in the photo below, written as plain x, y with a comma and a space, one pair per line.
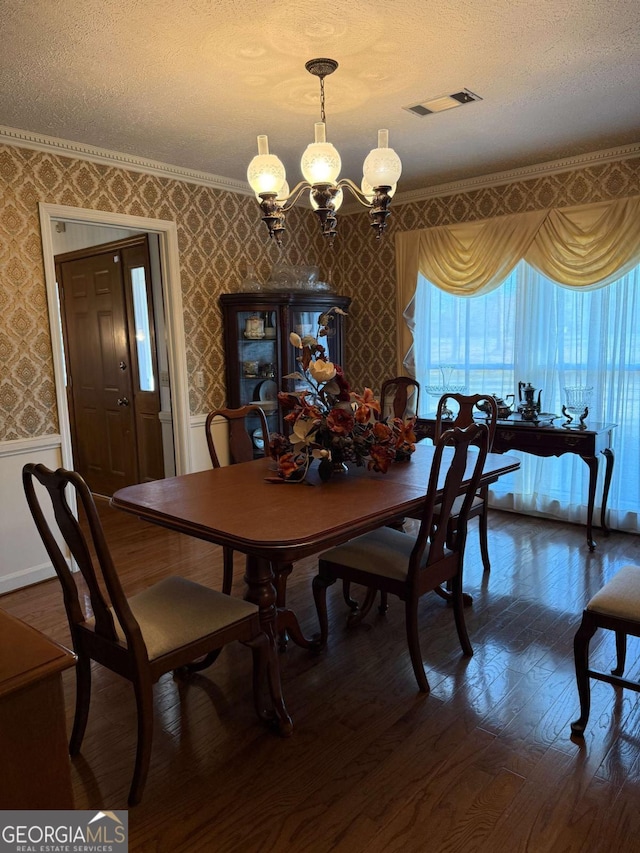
442, 103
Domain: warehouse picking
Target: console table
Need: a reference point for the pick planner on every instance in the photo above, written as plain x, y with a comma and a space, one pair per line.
550, 440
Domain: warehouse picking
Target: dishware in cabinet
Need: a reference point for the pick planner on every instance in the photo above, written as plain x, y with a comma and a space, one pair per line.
258, 352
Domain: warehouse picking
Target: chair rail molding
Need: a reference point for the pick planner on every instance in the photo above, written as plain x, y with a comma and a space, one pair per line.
23, 446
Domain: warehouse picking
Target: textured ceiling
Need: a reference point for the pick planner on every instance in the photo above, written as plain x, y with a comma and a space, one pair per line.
192, 83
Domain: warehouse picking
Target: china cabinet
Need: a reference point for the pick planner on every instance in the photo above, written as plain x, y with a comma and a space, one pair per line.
258, 353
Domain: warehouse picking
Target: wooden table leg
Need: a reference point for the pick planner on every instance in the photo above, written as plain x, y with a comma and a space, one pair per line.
592, 463
288, 621
608, 455
261, 591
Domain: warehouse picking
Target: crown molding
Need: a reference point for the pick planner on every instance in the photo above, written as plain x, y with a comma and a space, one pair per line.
495, 179
623, 152
64, 147
40, 142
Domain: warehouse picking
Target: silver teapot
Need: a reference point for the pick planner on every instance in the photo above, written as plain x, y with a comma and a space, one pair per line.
504, 409
529, 406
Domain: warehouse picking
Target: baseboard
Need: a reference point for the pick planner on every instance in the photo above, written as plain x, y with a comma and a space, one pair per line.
26, 577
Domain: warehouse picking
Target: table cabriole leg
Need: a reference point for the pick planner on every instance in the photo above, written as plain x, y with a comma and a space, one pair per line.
609, 457
592, 464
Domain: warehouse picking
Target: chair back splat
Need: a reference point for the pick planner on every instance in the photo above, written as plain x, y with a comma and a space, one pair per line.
460, 410
399, 397
166, 627
241, 447
434, 537
466, 410
56, 483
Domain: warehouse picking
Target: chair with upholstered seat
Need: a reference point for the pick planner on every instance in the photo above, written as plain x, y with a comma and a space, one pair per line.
459, 410
389, 560
241, 448
615, 607
399, 398
161, 629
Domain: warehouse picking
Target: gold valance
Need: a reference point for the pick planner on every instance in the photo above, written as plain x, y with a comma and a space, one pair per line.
587, 246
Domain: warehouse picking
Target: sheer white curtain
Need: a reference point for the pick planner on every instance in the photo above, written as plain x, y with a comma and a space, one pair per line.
531, 329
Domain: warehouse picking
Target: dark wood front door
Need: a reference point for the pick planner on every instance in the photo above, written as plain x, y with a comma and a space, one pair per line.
112, 383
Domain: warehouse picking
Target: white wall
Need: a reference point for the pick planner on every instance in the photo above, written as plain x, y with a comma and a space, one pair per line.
23, 559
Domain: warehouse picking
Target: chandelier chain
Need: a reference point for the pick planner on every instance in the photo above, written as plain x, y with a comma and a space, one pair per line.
322, 115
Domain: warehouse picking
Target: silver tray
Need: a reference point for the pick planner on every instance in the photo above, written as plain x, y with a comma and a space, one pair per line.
543, 419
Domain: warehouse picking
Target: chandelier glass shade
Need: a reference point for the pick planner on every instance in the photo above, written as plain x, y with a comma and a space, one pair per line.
265, 174
382, 166
320, 165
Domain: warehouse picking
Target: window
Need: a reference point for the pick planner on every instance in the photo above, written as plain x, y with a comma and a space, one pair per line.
143, 329
531, 329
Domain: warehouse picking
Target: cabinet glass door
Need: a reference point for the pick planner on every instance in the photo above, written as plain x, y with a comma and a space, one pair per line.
258, 365
258, 352
305, 322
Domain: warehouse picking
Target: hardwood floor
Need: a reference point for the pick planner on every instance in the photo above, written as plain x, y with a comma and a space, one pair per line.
483, 763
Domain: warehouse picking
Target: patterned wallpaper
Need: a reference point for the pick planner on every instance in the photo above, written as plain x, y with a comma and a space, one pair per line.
219, 233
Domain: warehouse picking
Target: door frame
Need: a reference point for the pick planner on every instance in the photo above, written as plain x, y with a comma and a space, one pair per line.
174, 318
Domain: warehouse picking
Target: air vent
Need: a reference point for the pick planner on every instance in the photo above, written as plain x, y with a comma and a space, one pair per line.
442, 103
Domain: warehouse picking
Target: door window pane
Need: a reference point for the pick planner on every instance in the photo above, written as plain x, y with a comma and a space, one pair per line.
143, 332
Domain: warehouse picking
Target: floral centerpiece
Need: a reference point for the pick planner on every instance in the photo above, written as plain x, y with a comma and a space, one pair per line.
329, 421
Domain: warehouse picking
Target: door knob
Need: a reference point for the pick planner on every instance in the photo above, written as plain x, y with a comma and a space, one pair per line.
123, 401
122, 365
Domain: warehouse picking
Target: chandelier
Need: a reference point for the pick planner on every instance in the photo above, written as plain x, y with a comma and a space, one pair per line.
320, 165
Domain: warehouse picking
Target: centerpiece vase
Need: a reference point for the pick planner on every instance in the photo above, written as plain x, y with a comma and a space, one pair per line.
328, 467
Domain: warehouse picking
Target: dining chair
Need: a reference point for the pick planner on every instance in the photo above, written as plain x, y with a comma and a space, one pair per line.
164, 628
410, 566
241, 448
460, 410
399, 397
615, 607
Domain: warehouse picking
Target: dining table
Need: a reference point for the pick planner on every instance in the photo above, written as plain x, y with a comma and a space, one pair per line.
275, 522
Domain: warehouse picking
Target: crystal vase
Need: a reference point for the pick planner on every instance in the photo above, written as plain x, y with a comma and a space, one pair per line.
578, 399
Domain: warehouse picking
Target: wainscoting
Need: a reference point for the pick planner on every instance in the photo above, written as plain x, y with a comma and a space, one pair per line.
23, 560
